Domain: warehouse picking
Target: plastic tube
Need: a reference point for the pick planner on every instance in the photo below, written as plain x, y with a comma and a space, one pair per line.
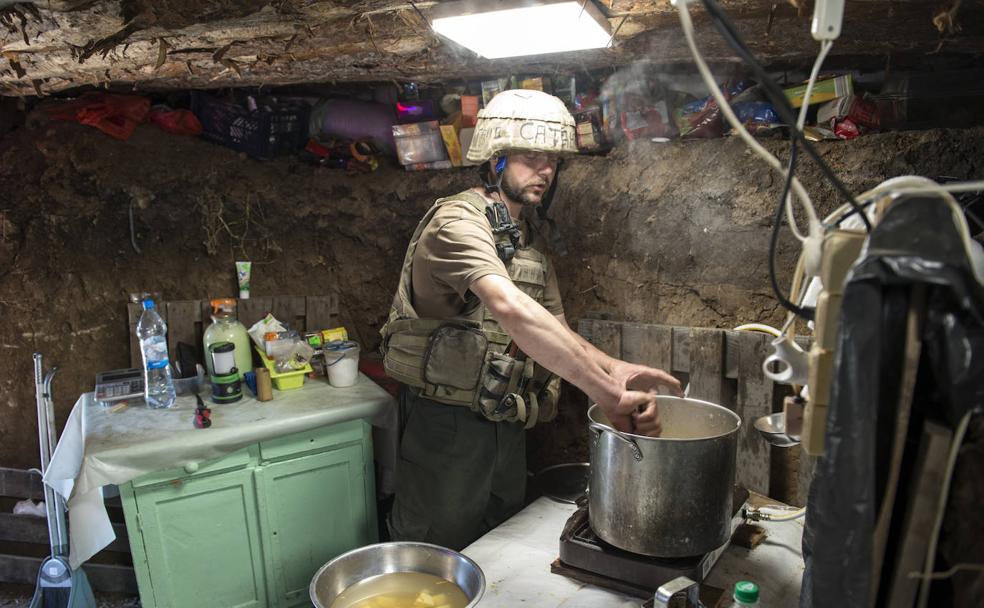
243, 270
760, 327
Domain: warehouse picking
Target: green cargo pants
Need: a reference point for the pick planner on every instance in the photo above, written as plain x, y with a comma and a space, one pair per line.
459, 475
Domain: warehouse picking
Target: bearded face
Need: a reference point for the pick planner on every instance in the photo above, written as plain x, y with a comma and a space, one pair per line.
528, 176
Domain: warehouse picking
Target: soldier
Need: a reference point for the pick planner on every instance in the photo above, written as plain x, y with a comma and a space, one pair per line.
478, 337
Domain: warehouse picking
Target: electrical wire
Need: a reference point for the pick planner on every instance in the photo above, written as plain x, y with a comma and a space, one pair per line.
917, 185
775, 95
792, 307
779, 515
948, 572
951, 463
688, 30
825, 47
760, 327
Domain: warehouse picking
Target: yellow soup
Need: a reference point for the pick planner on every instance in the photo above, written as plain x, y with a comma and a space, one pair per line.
402, 590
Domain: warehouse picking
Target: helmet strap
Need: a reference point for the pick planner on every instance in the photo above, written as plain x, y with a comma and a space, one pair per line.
493, 186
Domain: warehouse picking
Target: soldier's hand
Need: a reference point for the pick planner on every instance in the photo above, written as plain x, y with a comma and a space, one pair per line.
645, 419
621, 414
642, 378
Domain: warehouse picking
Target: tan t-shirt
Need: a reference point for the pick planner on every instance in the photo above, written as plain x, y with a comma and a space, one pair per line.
455, 250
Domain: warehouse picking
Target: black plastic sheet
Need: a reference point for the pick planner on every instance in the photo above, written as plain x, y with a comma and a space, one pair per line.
916, 245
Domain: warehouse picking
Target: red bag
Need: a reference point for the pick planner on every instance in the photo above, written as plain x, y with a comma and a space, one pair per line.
115, 115
179, 122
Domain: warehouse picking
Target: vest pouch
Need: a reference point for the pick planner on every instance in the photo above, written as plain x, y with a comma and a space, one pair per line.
499, 375
455, 357
549, 395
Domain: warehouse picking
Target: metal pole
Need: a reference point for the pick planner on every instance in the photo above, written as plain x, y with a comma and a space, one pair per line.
60, 527
45, 448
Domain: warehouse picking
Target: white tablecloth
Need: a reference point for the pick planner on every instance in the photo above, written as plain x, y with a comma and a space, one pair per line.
516, 559
99, 447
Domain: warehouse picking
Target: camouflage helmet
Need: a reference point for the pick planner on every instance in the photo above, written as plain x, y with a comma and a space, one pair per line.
522, 120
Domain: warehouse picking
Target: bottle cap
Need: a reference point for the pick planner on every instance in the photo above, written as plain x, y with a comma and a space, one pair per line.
746, 591
226, 305
148, 304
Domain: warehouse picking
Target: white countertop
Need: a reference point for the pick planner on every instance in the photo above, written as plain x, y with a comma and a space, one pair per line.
516, 558
100, 447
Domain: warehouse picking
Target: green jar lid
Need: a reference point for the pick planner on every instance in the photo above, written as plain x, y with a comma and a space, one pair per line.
747, 592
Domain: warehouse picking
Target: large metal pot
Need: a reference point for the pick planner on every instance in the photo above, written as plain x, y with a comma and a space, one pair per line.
668, 496
372, 560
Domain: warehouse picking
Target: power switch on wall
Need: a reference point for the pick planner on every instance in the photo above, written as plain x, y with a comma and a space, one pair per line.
827, 17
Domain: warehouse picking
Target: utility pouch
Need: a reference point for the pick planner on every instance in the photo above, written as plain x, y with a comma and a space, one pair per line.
501, 396
500, 374
548, 395
455, 356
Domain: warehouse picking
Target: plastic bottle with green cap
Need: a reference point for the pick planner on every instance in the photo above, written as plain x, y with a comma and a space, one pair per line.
746, 594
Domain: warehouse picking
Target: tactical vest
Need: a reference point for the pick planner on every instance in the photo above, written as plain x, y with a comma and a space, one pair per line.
469, 360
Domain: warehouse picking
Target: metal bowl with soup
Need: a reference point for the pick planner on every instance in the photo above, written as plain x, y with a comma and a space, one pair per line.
398, 575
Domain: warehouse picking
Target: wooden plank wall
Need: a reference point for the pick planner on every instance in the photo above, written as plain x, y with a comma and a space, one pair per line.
722, 366
24, 537
187, 319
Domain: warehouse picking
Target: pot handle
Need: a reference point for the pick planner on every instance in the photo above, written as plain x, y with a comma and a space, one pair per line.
601, 428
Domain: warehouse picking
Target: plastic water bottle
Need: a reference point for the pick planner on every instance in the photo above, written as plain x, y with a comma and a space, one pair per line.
746, 595
152, 332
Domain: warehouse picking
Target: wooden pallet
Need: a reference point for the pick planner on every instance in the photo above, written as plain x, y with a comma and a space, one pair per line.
187, 319
24, 540
722, 366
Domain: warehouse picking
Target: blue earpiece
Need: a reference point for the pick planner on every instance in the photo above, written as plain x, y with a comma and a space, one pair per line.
500, 165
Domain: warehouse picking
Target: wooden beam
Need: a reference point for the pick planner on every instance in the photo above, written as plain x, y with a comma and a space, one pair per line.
607, 337
753, 401
102, 577
346, 44
30, 529
650, 345
707, 364
18, 483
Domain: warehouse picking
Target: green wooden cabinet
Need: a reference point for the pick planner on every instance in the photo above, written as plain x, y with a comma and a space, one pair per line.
249, 530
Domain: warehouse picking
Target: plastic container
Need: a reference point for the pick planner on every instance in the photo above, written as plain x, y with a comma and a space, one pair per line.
226, 327
284, 381
746, 595
342, 360
419, 143
272, 129
152, 333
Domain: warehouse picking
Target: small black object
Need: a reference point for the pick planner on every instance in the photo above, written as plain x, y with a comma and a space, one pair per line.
499, 219
203, 415
188, 359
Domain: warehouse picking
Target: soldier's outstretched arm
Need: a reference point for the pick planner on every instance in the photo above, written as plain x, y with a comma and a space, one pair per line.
541, 336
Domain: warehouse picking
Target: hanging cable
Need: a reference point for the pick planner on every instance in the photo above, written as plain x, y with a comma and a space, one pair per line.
775, 95
789, 305
825, 47
725, 107
951, 463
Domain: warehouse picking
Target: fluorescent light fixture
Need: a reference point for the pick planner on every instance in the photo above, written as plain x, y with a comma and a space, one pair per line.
511, 28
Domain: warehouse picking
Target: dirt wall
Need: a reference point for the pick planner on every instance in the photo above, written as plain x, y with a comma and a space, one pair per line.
667, 233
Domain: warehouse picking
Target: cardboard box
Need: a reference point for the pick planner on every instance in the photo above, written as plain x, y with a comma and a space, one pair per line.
861, 111
469, 110
450, 135
823, 90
